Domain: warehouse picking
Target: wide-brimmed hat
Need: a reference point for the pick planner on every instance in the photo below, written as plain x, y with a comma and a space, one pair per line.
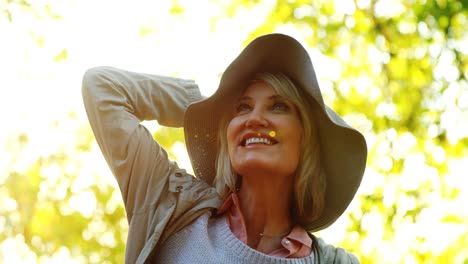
343, 149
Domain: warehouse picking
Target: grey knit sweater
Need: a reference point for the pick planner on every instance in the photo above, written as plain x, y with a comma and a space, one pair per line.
209, 240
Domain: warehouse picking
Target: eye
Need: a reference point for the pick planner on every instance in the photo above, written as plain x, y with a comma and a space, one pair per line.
280, 106
242, 108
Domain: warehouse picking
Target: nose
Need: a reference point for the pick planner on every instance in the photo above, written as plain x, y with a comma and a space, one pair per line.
256, 118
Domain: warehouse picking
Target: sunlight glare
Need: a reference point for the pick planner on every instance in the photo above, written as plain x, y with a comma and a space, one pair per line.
23, 254
388, 8
84, 203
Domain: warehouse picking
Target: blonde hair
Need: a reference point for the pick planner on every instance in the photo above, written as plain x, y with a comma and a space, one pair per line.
310, 180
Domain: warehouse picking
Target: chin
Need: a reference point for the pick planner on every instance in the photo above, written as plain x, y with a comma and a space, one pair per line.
256, 167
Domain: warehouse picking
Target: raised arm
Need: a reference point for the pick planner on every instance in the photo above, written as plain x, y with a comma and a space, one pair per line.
116, 101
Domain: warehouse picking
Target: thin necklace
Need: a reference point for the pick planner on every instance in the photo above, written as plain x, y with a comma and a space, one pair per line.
274, 236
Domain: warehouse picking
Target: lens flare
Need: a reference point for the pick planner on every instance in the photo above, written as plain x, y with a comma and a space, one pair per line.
272, 134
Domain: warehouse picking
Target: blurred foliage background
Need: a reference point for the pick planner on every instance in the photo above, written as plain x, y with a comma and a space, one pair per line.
395, 69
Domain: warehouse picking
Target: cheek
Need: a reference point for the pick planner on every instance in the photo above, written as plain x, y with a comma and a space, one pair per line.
298, 135
231, 133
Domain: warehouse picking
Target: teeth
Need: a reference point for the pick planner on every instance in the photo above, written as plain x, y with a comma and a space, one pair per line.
255, 140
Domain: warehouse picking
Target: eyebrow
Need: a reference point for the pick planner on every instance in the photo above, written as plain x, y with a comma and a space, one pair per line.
271, 97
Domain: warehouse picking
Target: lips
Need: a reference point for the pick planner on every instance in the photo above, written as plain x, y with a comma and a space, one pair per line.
257, 138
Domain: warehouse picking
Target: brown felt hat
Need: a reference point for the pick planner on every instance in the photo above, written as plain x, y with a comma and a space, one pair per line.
343, 149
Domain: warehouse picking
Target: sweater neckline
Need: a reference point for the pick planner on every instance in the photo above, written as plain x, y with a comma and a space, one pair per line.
231, 245
295, 243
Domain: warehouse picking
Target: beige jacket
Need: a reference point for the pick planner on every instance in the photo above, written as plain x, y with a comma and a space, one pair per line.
160, 198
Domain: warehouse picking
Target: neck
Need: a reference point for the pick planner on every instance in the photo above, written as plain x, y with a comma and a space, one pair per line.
265, 204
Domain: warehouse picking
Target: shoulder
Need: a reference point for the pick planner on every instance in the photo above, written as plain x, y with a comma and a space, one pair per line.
331, 254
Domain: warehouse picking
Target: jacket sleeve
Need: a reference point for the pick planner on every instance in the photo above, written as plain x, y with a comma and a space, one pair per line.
336, 255
116, 101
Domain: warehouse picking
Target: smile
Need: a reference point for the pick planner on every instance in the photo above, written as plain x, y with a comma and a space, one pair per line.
257, 140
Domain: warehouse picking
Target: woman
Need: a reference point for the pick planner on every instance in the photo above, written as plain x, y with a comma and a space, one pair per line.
272, 161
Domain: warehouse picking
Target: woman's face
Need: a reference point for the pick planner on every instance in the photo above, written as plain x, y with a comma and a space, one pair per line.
265, 133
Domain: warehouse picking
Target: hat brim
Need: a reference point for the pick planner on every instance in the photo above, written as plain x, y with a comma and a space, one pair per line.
343, 149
